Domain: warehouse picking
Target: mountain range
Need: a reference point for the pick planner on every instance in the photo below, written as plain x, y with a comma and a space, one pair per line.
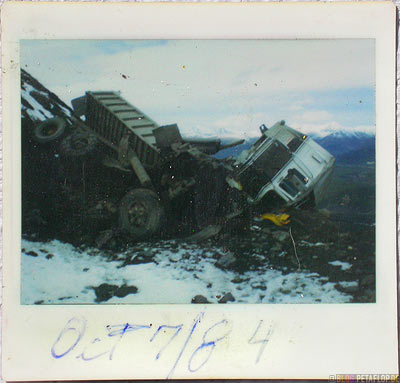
356, 148
352, 148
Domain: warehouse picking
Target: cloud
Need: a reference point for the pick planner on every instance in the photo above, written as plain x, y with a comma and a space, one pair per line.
300, 103
210, 84
233, 67
241, 125
314, 116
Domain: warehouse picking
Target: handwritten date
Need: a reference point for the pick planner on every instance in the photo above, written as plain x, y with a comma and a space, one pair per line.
71, 339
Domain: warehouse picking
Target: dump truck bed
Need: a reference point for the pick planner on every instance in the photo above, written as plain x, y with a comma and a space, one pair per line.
111, 118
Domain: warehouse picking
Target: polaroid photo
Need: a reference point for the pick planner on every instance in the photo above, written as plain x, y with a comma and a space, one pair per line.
199, 191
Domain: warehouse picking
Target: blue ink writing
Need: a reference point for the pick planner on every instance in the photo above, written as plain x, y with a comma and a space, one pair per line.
196, 322
177, 328
263, 341
105, 345
87, 358
208, 345
76, 326
121, 331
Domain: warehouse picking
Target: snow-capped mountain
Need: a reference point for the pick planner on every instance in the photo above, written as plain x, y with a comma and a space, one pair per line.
341, 134
338, 141
356, 147
342, 142
224, 134
38, 104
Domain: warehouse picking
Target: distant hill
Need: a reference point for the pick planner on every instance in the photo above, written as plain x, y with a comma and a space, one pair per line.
340, 142
362, 156
352, 148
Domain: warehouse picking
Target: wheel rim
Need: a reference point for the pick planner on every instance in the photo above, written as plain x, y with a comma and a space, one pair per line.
80, 143
137, 214
50, 130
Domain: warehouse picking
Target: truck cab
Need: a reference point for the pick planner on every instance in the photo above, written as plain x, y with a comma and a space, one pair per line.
284, 168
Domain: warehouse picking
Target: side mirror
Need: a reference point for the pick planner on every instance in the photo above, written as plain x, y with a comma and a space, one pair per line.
263, 128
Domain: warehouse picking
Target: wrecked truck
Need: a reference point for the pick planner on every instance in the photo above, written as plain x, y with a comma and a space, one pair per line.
284, 168
172, 182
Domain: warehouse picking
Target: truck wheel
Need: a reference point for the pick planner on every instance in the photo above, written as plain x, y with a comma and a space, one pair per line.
49, 130
80, 144
140, 213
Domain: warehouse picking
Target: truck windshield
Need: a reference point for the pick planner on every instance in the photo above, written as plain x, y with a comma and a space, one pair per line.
294, 144
265, 167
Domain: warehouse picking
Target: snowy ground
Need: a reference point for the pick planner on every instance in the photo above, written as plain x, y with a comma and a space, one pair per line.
37, 112
163, 272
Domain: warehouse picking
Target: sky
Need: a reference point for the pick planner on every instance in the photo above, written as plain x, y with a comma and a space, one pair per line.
225, 88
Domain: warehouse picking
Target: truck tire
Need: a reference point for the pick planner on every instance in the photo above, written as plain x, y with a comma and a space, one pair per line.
79, 145
140, 213
50, 130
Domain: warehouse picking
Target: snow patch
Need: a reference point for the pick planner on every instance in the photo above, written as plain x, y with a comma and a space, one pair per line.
59, 273
343, 265
309, 244
348, 284
38, 111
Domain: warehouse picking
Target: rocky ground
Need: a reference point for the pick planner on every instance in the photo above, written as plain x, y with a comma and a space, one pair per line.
313, 243
309, 261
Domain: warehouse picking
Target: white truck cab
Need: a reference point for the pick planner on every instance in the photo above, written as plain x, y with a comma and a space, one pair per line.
284, 168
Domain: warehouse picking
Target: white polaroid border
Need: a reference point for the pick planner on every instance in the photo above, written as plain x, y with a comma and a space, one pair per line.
234, 341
